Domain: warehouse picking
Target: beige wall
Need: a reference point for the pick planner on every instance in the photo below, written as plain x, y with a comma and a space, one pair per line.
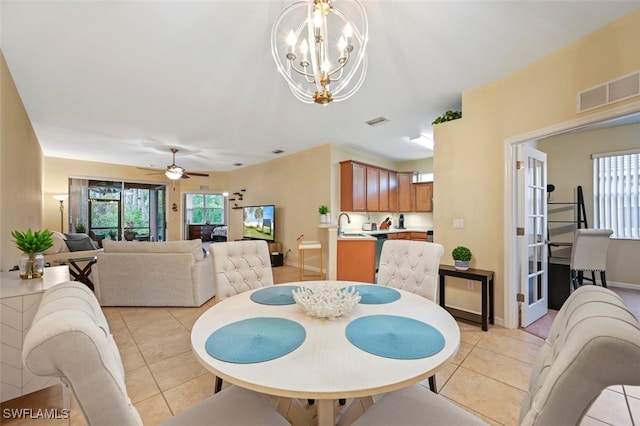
469, 160
21, 164
569, 164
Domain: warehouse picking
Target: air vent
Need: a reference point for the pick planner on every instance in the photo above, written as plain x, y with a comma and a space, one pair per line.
617, 90
376, 121
204, 187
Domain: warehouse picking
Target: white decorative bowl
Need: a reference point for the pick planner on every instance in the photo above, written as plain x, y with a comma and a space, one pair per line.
326, 301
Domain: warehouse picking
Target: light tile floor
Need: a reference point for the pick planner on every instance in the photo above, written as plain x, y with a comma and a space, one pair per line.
488, 376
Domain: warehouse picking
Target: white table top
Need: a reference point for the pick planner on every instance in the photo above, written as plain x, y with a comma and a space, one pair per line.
326, 366
11, 285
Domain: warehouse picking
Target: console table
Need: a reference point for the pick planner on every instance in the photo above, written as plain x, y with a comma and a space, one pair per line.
486, 278
20, 300
78, 272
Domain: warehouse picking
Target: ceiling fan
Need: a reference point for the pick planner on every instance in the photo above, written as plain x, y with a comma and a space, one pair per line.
175, 172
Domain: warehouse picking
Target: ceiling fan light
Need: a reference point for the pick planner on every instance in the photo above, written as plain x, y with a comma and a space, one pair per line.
174, 172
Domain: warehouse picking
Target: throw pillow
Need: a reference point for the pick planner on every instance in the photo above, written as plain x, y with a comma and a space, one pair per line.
81, 244
58, 244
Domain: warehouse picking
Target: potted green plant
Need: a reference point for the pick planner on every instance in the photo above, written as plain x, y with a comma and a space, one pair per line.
80, 228
129, 234
461, 255
112, 234
447, 116
32, 244
324, 214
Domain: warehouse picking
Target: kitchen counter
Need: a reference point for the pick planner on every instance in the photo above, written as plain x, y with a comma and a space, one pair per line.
386, 231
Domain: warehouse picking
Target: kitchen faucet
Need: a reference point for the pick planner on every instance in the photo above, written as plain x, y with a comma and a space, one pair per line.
340, 231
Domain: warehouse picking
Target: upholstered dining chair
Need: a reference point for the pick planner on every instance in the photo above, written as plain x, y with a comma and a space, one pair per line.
589, 253
411, 266
239, 266
70, 338
594, 343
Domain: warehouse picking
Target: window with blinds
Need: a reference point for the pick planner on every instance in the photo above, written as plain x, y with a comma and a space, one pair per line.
616, 193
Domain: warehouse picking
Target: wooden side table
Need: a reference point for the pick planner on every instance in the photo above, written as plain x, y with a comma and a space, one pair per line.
486, 278
78, 272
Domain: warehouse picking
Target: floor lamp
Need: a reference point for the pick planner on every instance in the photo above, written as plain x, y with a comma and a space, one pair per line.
61, 198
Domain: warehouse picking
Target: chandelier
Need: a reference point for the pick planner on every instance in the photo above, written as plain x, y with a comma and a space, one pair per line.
321, 64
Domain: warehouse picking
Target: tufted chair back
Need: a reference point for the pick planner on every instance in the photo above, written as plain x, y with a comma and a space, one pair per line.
70, 338
240, 266
411, 266
594, 343
589, 250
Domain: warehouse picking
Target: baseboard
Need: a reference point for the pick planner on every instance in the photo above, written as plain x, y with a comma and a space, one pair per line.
621, 285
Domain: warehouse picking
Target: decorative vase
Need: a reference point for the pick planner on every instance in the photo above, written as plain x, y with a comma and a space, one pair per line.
325, 218
461, 265
31, 266
129, 236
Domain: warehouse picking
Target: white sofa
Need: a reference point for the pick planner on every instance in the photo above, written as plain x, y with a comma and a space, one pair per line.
171, 273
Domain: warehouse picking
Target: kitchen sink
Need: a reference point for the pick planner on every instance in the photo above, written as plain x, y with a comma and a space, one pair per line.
348, 234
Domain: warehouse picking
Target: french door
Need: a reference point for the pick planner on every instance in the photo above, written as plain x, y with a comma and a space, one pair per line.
531, 178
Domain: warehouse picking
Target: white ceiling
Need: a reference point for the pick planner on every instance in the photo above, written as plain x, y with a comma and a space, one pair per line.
123, 81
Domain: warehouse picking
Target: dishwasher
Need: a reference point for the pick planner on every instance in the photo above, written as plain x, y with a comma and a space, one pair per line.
380, 239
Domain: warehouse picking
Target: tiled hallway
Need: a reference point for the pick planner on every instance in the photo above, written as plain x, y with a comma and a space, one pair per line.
490, 372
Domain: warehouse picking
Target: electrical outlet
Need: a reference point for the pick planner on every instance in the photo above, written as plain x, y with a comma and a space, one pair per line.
470, 284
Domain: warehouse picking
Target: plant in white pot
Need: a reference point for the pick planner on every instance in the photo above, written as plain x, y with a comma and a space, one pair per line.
32, 244
324, 214
461, 255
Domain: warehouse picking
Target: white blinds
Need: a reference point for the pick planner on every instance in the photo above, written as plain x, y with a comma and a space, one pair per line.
616, 187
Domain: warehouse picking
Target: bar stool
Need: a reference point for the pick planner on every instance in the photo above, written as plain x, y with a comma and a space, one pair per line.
304, 246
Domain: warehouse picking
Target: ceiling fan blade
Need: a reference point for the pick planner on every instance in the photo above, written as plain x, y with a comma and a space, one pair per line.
185, 176
151, 170
196, 174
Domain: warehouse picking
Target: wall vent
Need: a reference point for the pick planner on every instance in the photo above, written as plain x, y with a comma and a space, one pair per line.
204, 187
616, 90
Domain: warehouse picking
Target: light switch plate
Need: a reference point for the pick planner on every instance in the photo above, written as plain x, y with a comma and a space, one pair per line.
458, 223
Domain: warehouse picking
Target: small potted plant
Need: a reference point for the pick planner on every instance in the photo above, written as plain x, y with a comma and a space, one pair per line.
447, 116
80, 228
32, 244
113, 234
324, 214
461, 255
129, 234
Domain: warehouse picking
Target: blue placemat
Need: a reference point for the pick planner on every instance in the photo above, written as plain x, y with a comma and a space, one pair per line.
376, 294
275, 295
255, 340
395, 337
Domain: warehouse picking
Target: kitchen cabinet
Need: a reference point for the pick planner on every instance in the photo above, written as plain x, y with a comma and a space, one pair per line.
393, 191
373, 189
357, 260
353, 186
414, 236
418, 236
406, 193
423, 196
383, 190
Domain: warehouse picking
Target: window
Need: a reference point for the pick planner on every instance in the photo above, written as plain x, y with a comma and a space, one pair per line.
206, 208
616, 193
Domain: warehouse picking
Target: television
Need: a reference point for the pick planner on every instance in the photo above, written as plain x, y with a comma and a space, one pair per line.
258, 222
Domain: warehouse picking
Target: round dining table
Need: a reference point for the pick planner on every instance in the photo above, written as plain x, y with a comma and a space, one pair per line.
323, 364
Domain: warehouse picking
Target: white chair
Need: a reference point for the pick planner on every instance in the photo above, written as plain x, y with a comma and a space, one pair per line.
70, 339
240, 266
589, 253
594, 343
411, 266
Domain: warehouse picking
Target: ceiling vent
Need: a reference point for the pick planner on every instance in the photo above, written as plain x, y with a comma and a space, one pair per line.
376, 121
613, 91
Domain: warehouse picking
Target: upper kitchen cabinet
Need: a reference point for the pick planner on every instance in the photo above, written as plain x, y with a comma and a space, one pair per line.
423, 192
353, 187
373, 189
406, 194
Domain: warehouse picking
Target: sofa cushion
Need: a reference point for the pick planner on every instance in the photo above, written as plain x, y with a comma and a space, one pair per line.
183, 246
59, 244
80, 245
